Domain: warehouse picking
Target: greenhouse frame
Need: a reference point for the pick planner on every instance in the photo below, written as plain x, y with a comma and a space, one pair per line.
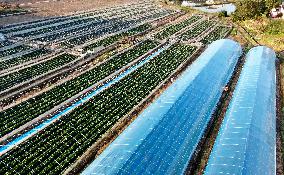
164, 137
246, 142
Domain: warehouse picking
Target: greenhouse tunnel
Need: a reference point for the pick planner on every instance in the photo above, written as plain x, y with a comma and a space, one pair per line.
165, 135
246, 142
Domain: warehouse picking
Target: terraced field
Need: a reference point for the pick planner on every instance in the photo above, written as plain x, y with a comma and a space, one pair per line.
70, 79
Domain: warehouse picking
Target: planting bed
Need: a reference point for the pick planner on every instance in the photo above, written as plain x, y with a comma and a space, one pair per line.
52, 64
24, 58
22, 75
196, 30
75, 132
30, 109
176, 27
218, 33
13, 50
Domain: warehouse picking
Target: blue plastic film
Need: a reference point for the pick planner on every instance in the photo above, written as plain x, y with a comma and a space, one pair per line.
165, 135
246, 142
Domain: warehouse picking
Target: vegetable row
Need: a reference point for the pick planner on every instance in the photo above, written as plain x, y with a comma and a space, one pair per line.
54, 28
88, 25
167, 32
24, 58
14, 50
18, 115
218, 33
101, 26
12, 79
60, 144
5, 43
58, 20
196, 30
117, 25
69, 24
112, 39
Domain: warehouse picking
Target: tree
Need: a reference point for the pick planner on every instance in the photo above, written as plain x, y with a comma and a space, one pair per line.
249, 9
223, 14
271, 4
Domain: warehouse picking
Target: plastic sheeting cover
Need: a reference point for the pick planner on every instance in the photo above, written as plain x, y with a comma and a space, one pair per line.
164, 136
246, 141
2, 37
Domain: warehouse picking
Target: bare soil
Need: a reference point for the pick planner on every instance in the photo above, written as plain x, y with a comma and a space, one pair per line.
47, 8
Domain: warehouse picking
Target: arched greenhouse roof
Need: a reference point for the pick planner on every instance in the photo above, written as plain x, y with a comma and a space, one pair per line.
246, 141
165, 135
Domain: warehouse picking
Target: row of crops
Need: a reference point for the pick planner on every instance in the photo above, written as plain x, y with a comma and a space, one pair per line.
176, 27
59, 145
55, 148
53, 36
197, 29
28, 73
5, 43
95, 30
43, 23
68, 27
86, 23
38, 23
112, 39
92, 31
18, 115
24, 58
116, 26
54, 32
80, 40
53, 28
218, 33
39, 52
71, 24
14, 50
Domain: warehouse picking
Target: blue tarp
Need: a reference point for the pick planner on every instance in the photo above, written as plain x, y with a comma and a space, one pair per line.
164, 136
246, 142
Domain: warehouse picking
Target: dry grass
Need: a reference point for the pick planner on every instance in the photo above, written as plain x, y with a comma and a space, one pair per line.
258, 29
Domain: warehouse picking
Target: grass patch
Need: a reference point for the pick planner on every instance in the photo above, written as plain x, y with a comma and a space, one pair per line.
269, 32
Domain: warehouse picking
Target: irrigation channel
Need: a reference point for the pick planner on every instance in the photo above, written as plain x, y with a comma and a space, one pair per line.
5, 148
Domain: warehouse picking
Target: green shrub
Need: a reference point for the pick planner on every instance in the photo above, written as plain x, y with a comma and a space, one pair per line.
275, 27
223, 14
251, 9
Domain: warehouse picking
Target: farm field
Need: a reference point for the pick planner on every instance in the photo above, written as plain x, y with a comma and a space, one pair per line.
67, 81
49, 8
166, 133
